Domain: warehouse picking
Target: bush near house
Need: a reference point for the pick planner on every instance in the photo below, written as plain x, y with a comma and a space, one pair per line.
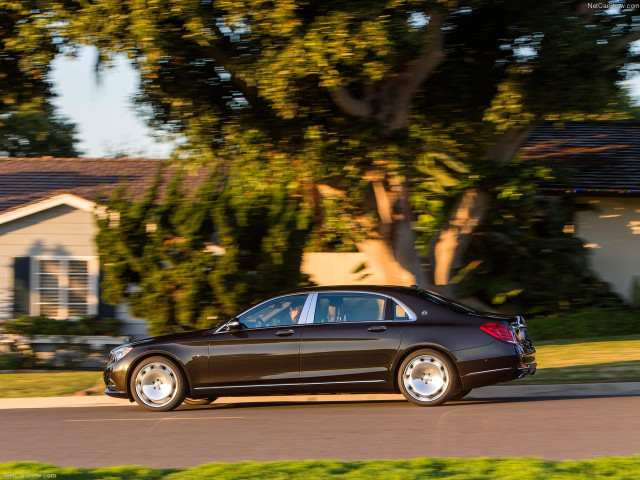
585, 323
17, 353
41, 325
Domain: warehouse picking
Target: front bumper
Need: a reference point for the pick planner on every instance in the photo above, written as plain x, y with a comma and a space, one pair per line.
115, 378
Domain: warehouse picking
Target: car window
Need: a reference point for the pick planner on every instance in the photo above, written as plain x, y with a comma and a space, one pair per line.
399, 313
349, 307
272, 313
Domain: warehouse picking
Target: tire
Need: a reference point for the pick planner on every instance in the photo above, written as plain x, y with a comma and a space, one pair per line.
427, 378
460, 395
158, 384
198, 401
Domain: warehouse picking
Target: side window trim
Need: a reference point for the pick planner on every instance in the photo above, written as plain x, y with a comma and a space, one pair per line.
305, 311
312, 306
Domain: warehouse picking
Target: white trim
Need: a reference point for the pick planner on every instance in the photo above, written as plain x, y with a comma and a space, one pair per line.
93, 271
42, 205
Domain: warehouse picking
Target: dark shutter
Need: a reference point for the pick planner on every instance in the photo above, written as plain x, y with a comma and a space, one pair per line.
21, 273
104, 310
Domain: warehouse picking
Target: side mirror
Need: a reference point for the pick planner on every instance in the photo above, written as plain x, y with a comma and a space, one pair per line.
233, 325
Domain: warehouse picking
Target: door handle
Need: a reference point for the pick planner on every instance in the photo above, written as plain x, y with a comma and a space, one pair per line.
379, 328
284, 333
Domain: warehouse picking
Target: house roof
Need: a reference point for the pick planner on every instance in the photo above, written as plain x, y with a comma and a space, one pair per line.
27, 181
602, 158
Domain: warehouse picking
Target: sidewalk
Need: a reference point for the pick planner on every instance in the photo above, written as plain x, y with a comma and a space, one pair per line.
585, 390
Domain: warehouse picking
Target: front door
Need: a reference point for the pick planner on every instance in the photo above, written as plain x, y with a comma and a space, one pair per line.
265, 353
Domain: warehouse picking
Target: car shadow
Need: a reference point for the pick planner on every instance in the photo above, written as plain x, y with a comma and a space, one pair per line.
472, 399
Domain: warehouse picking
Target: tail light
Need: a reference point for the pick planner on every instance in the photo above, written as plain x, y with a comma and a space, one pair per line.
499, 331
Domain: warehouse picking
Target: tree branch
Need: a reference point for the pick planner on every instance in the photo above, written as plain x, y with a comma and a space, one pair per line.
349, 104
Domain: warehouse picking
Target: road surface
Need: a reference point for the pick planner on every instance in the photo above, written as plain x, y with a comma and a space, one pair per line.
556, 426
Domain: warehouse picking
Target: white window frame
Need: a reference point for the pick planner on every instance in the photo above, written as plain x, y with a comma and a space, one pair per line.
93, 270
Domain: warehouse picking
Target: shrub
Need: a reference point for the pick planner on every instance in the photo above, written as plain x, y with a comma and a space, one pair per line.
41, 325
585, 323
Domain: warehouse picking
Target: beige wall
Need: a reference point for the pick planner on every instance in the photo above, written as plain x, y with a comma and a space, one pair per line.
612, 233
61, 231
380, 268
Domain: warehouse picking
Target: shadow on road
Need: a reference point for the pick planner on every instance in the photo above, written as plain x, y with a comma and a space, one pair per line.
471, 400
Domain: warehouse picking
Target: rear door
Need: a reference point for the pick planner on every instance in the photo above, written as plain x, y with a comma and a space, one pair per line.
350, 344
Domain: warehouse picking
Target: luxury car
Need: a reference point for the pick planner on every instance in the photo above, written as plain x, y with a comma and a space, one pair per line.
340, 339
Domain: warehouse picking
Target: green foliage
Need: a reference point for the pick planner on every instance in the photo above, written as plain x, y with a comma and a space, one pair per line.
29, 125
41, 325
154, 251
345, 94
37, 132
613, 468
521, 259
585, 323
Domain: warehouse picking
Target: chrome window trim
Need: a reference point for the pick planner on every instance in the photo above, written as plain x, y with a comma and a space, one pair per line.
412, 316
308, 311
221, 328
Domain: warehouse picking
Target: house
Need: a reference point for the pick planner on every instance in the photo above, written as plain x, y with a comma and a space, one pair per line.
604, 164
48, 258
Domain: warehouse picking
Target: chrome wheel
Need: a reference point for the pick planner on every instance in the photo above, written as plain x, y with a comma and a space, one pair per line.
157, 384
427, 378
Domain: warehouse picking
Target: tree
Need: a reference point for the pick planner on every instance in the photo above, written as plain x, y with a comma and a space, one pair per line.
371, 94
157, 252
29, 125
37, 132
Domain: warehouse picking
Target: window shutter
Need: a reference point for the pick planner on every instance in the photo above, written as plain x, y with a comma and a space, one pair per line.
104, 310
21, 273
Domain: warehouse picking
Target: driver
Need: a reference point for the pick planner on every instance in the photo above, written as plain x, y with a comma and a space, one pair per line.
294, 312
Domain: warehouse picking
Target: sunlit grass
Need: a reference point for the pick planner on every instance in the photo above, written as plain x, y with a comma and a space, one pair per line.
613, 468
609, 359
46, 384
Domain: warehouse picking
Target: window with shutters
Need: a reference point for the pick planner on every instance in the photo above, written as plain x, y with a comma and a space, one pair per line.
65, 287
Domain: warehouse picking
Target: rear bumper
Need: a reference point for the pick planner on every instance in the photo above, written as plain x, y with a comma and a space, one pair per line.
496, 363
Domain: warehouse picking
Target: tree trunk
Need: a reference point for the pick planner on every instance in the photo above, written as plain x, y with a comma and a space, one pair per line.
397, 242
449, 246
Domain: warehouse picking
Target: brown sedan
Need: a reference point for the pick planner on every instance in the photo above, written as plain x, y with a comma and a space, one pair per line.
342, 339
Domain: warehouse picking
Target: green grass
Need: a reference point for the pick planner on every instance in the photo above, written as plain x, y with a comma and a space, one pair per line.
46, 384
612, 359
614, 468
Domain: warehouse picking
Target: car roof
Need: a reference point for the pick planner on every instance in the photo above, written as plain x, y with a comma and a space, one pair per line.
357, 288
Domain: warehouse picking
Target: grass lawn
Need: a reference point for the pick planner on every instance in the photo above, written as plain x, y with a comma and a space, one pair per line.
420, 468
609, 359
49, 384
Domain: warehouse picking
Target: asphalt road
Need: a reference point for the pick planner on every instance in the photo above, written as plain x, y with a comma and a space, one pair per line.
550, 426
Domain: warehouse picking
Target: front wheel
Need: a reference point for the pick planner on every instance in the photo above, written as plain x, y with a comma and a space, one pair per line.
427, 378
157, 384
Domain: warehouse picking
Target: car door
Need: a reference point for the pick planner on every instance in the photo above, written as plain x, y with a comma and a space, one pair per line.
264, 353
348, 343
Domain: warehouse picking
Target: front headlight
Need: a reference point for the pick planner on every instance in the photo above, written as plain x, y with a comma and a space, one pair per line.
118, 353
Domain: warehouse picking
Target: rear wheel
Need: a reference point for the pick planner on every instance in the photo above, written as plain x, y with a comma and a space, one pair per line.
157, 384
427, 378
